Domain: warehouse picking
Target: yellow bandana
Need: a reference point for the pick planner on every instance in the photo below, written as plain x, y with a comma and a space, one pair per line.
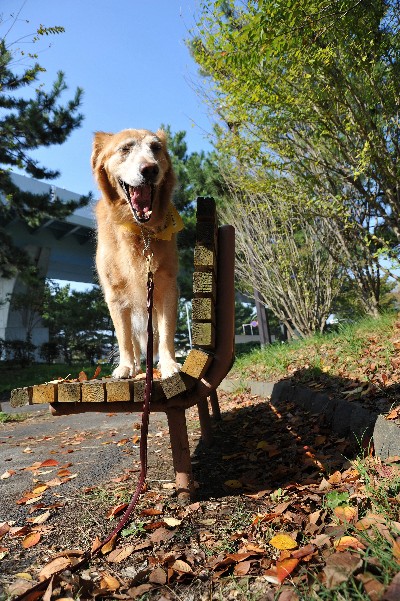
173, 224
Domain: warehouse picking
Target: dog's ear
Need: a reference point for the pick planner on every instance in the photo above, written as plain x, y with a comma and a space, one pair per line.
162, 135
99, 141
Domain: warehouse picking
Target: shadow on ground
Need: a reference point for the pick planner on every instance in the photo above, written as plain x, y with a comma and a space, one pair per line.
260, 446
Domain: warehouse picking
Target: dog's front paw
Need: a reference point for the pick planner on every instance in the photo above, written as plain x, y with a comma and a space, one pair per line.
168, 368
123, 371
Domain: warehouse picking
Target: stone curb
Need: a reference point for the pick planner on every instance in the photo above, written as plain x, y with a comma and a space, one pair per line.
347, 419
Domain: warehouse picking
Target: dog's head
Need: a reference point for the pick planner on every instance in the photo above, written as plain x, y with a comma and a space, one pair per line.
133, 169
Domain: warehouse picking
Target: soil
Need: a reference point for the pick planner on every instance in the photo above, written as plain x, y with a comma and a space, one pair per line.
264, 459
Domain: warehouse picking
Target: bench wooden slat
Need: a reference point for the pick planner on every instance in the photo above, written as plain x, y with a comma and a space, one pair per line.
44, 393
69, 392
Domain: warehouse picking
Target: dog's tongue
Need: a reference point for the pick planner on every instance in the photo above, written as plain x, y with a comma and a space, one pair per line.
141, 199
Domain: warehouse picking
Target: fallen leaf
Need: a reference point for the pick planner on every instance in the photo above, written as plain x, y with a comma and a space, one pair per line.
303, 552
242, 568
18, 587
31, 539
109, 583
283, 541
161, 535
39, 489
181, 566
120, 553
339, 566
56, 565
139, 591
7, 474
277, 574
348, 542
345, 513
172, 522
373, 588
82, 377
158, 576
393, 591
151, 511
110, 545
49, 463
96, 373
40, 519
116, 510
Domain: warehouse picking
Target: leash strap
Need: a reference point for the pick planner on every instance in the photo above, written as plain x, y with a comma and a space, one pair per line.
145, 416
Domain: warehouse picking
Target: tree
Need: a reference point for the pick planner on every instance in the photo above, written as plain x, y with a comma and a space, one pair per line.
78, 322
310, 91
279, 255
25, 125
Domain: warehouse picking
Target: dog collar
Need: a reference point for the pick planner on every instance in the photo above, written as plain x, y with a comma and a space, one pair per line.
173, 224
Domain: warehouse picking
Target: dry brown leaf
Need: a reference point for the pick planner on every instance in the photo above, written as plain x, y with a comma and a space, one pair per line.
348, 542
56, 565
116, 510
277, 574
4, 528
31, 540
139, 591
161, 535
373, 588
151, 511
109, 546
393, 591
339, 566
120, 553
49, 463
7, 474
40, 519
158, 576
181, 566
233, 484
345, 513
242, 568
109, 583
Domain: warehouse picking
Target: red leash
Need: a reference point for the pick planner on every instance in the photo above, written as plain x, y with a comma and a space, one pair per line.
142, 453
145, 417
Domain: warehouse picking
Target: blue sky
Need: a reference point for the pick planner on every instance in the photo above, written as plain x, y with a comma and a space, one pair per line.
130, 58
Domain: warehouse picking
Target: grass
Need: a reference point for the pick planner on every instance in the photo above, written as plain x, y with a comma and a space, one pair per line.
12, 376
12, 417
348, 352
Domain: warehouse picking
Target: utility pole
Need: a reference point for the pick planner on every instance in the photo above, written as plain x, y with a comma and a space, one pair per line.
262, 317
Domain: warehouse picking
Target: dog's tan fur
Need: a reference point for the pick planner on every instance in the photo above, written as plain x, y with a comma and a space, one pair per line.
121, 265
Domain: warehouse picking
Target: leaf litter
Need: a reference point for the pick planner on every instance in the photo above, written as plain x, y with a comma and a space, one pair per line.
300, 517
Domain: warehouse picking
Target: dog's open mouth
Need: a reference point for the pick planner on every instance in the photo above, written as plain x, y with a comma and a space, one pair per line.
140, 199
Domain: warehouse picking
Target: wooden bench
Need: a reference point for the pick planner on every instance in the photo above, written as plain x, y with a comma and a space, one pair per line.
206, 364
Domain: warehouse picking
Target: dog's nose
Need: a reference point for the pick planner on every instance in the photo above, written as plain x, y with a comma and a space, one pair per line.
149, 171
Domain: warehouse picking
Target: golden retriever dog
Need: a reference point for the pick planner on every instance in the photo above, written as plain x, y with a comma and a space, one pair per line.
134, 173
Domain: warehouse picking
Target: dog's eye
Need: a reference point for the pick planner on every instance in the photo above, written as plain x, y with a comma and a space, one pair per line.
125, 149
155, 146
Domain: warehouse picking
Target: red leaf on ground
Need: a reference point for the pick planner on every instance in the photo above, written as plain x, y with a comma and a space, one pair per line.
49, 463
31, 540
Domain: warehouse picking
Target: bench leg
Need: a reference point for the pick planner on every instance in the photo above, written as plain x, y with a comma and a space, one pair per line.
205, 422
215, 405
180, 453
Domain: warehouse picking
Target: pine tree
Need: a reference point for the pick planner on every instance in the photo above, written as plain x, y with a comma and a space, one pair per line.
25, 125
